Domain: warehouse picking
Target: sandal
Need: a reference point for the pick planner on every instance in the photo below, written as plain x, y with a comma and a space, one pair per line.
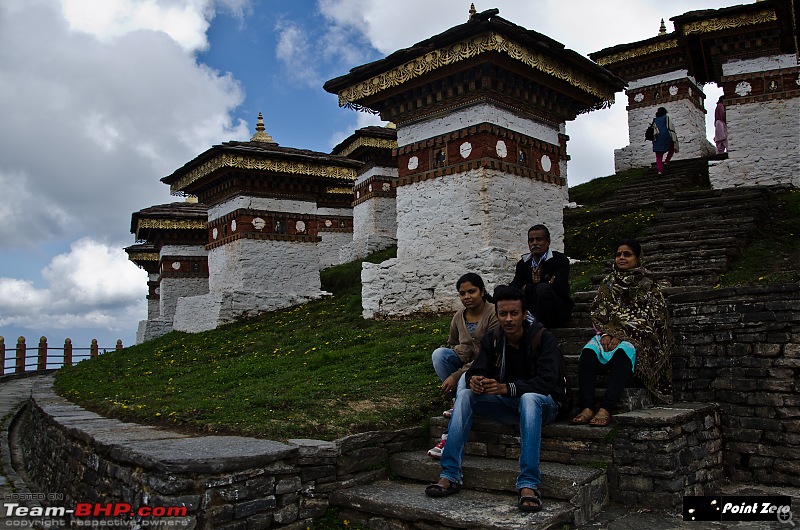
601, 420
437, 490
527, 503
584, 417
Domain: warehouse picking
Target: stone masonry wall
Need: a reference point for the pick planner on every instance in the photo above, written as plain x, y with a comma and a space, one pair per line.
740, 348
224, 482
374, 228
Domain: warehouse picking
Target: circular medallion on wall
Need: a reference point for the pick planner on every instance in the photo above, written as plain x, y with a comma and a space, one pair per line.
743, 88
176, 265
369, 187
259, 223
465, 149
328, 223
638, 98
546, 163
233, 225
214, 233
387, 186
158, 290
413, 162
797, 80
300, 226
358, 195
673, 90
502, 150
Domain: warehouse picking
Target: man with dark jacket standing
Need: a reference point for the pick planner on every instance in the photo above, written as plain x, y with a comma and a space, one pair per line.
543, 276
513, 380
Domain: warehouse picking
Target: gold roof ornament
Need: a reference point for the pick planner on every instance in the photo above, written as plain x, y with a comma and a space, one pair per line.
191, 199
472, 11
391, 125
260, 135
663, 29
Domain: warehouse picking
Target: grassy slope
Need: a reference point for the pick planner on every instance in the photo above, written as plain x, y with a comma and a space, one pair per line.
321, 371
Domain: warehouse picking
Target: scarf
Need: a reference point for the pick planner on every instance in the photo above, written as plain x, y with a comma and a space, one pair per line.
629, 306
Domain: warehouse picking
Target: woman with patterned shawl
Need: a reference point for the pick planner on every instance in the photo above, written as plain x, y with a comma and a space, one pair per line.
631, 318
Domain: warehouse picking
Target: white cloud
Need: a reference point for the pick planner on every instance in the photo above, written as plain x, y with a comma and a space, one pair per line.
185, 22
94, 285
295, 51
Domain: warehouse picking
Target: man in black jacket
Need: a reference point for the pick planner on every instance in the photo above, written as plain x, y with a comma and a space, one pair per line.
543, 276
516, 378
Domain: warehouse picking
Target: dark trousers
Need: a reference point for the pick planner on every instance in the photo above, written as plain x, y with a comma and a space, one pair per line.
547, 306
619, 377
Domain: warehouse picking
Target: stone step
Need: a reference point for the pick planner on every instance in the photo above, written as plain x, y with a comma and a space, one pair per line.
697, 236
559, 481
680, 244
397, 504
735, 226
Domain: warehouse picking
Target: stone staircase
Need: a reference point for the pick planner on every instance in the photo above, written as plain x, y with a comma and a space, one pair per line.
691, 243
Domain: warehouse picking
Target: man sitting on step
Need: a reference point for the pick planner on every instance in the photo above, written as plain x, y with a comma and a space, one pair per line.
515, 379
543, 276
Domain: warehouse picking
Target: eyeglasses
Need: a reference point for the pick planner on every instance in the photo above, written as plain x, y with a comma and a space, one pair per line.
624, 253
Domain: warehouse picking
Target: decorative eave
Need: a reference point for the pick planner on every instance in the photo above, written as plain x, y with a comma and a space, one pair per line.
180, 182
144, 255
367, 137
611, 56
173, 216
484, 35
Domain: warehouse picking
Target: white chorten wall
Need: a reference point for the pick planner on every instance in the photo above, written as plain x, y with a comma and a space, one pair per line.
763, 133
471, 221
374, 218
678, 93
153, 304
178, 258
333, 238
248, 276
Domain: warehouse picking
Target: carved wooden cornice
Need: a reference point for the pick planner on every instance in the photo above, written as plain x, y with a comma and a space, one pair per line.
638, 52
363, 141
144, 256
460, 51
171, 224
730, 22
228, 160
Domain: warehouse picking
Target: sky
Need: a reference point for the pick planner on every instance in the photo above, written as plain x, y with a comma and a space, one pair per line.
99, 99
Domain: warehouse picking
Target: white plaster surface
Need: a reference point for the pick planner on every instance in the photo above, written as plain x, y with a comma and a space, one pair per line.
329, 247
381, 171
153, 309
675, 75
475, 115
763, 145
469, 222
346, 212
171, 289
261, 203
152, 329
374, 228
183, 250
760, 64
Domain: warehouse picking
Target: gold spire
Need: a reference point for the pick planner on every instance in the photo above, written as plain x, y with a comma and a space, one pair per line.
472, 11
663, 29
260, 135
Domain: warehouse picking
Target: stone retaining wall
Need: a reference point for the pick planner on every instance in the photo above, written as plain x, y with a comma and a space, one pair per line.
740, 348
225, 482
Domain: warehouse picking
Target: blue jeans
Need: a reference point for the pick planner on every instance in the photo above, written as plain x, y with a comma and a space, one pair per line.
445, 362
531, 411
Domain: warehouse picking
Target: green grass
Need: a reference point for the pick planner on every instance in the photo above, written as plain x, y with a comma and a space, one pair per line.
601, 188
774, 256
318, 370
321, 371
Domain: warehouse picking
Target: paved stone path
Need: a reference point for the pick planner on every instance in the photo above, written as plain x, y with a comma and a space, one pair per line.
14, 391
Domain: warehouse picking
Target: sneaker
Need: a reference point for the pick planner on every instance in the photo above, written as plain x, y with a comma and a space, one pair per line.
436, 451
448, 413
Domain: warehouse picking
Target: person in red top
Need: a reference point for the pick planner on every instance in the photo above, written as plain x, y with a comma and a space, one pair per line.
720, 127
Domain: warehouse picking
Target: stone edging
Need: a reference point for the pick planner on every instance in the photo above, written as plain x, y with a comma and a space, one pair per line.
225, 482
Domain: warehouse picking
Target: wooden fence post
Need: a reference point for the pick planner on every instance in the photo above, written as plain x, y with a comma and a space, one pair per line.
42, 362
21, 351
94, 349
3, 349
68, 352
119, 344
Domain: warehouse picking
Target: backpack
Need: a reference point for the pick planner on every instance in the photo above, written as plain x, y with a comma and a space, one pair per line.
565, 407
651, 132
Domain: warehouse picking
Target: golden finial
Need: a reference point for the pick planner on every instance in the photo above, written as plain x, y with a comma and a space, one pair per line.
191, 199
260, 135
472, 11
391, 125
663, 29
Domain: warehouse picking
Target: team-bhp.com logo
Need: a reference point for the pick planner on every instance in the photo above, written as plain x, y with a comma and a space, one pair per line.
118, 514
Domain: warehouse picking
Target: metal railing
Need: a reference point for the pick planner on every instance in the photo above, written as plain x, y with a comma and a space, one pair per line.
18, 359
